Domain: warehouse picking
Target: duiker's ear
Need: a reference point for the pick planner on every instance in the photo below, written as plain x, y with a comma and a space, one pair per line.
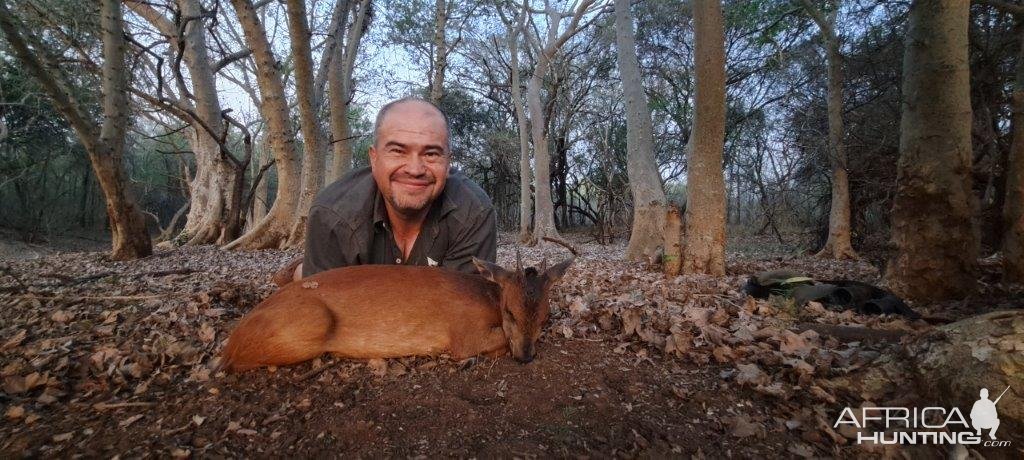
555, 273
491, 271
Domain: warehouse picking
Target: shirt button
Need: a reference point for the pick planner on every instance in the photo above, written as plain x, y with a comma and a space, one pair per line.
398, 261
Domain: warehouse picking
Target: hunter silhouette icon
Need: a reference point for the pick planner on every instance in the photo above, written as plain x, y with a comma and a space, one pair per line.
984, 415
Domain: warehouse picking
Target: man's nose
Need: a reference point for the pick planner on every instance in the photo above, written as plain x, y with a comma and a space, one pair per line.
415, 166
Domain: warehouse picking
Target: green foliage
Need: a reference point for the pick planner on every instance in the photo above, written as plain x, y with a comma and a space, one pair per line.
45, 176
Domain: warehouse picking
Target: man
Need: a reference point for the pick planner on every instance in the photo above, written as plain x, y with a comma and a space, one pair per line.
984, 415
407, 207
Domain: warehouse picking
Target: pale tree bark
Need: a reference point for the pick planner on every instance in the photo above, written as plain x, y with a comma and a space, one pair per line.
838, 245
514, 30
440, 63
104, 144
213, 215
273, 230
312, 162
936, 245
647, 237
704, 221
341, 91
544, 213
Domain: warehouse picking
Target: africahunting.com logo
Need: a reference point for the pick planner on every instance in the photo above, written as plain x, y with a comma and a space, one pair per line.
929, 425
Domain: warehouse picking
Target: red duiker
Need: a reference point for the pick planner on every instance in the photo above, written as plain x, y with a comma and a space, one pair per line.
388, 311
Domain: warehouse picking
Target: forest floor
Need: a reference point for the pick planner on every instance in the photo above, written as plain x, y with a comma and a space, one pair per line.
104, 358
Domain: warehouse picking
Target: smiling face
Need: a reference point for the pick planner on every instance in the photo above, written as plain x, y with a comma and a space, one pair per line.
410, 157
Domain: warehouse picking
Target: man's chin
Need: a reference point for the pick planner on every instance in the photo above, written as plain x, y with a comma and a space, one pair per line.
409, 205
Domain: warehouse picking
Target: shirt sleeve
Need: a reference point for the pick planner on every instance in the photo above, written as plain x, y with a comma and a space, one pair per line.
479, 239
323, 246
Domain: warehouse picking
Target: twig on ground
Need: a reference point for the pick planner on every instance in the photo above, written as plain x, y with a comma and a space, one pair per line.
89, 297
562, 243
104, 406
75, 281
315, 372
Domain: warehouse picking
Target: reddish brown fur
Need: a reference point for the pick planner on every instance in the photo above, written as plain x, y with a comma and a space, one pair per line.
371, 311
287, 274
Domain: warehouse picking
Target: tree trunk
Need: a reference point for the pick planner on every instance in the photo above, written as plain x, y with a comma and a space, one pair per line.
211, 190
936, 245
312, 162
206, 223
544, 212
1013, 206
340, 80
273, 230
127, 224
838, 244
525, 172
104, 145
671, 260
440, 63
260, 197
646, 239
704, 248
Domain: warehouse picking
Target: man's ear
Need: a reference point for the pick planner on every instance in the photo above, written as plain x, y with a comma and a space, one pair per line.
555, 273
372, 154
492, 272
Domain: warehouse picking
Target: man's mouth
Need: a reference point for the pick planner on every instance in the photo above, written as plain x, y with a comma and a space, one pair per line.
415, 185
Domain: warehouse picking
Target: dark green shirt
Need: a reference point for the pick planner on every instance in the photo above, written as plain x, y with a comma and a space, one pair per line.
348, 225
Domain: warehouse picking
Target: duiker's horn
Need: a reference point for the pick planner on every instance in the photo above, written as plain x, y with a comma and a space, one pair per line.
519, 261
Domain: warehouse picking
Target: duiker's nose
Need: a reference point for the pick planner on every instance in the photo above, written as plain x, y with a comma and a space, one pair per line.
528, 354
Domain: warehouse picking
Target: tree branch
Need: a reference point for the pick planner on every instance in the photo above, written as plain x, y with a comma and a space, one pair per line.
1005, 7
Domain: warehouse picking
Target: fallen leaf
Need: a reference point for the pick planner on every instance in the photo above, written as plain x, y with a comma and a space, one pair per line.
130, 420
631, 320
801, 450
577, 308
750, 374
15, 412
63, 437
742, 427
795, 344
378, 367
14, 384
14, 341
207, 333
60, 316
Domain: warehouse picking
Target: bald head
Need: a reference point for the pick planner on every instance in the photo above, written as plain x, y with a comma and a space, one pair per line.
411, 110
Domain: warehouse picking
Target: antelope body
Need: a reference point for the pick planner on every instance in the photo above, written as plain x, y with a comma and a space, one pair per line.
386, 311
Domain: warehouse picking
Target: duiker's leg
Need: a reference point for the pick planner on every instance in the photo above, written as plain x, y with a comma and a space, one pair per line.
286, 334
491, 344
